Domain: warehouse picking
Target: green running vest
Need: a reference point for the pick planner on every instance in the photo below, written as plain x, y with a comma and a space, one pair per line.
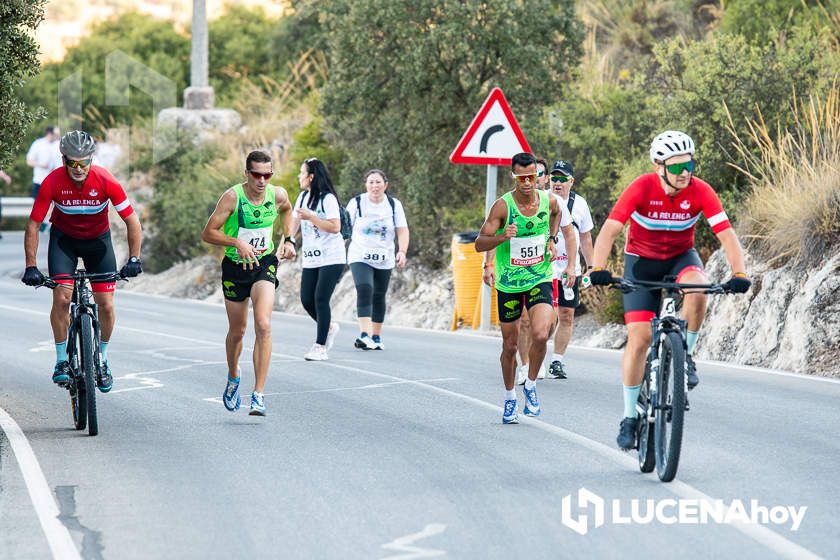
524, 261
252, 223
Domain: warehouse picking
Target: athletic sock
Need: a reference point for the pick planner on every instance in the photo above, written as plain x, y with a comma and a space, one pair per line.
631, 395
555, 357
530, 384
103, 349
376, 338
691, 340
510, 395
61, 351
363, 334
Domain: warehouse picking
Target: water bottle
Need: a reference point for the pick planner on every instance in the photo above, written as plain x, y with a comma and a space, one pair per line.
568, 292
585, 282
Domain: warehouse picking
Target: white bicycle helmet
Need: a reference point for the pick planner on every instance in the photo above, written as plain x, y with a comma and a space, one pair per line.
669, 144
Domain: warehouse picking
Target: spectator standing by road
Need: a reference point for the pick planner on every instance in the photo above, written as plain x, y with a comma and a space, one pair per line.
44, 156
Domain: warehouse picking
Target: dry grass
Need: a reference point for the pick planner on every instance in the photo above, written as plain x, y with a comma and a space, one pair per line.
793, 212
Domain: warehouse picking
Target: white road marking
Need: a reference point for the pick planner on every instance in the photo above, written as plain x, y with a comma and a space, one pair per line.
141, 311
404, 544
372, 386
59, 539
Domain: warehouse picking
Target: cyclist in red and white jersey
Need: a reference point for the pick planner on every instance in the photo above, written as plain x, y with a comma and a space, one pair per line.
80, 193
663, 208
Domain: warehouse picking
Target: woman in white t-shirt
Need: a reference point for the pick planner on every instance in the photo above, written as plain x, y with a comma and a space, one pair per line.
322, 250
377, 220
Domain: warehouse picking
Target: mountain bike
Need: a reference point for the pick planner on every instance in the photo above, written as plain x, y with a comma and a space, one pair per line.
663, 397
83, 341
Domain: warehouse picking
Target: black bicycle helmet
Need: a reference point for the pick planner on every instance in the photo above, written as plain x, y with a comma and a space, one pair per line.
77, 144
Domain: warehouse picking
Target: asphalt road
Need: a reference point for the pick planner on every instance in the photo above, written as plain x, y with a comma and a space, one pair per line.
392, 454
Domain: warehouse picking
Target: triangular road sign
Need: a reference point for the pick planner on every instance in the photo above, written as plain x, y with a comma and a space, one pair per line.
493, 136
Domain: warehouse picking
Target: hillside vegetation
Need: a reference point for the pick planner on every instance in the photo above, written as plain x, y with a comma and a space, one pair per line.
377, 83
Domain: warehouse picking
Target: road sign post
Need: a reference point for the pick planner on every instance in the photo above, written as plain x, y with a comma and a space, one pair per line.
492, 139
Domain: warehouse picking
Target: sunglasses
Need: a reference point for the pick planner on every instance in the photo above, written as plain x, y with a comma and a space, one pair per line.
677, 168
257, 175
540, 173
525, 177
75, 164
559, 178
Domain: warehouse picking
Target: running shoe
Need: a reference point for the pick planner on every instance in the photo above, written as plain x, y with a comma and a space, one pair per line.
257, 404
61, 373
231, 397
556, 370
334, 328
105, 380
509, 416
532, 403
522, 374
364, 342
377, 341
317, 353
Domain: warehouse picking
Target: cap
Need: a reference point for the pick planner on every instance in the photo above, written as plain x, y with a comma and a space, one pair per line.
563, 167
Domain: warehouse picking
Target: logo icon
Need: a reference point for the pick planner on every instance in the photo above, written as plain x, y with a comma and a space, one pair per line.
513, 304
530, 225
93, 192
580, 524
685, 204
535, 291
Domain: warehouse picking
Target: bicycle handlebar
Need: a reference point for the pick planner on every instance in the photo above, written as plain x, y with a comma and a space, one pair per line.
628, 286
52, 281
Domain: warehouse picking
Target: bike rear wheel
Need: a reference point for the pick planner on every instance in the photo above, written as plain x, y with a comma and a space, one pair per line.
86, 355
646, 430
670, 409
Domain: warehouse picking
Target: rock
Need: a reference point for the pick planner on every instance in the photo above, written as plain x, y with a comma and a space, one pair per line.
790, 318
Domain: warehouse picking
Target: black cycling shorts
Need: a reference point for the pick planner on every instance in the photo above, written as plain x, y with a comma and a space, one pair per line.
97, 254
510, 304
643, 305
237, 282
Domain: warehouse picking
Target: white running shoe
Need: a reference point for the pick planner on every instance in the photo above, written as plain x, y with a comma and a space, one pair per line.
317, 353
365, 343
334, 328
522, 374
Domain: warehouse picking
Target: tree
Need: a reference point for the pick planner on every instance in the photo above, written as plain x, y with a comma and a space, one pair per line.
406, 77
18, 61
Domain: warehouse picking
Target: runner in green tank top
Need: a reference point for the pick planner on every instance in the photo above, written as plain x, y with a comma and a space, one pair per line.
522, 227
243, 223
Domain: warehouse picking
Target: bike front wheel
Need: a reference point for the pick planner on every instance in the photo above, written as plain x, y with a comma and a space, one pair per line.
646, 429
670, 406
88, 363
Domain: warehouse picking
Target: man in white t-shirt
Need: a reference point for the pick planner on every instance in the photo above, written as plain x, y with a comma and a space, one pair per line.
44, 156
566, 300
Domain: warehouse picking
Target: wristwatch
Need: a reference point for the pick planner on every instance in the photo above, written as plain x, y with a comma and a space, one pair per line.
290, 240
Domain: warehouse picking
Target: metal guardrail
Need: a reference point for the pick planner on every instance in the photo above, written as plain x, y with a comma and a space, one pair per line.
16, 206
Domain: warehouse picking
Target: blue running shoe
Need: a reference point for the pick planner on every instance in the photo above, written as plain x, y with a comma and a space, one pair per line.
61, 373
257, 404
231, 395
532, 403
105, 380
509, 416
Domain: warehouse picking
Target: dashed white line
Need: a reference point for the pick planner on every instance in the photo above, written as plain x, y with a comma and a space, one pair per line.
404, 544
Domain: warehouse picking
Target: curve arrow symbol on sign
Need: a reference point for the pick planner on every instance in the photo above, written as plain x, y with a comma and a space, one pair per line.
486, 137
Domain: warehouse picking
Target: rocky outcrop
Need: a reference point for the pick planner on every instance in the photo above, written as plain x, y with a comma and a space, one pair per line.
789, 320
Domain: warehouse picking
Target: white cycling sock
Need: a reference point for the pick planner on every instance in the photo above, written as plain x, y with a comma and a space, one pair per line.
555, 357
510, 395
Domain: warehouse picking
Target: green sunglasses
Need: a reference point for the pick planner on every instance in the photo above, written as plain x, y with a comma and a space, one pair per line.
677, 168
559, 178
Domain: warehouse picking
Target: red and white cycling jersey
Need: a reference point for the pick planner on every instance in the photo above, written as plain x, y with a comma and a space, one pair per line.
662, 226
80, 213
